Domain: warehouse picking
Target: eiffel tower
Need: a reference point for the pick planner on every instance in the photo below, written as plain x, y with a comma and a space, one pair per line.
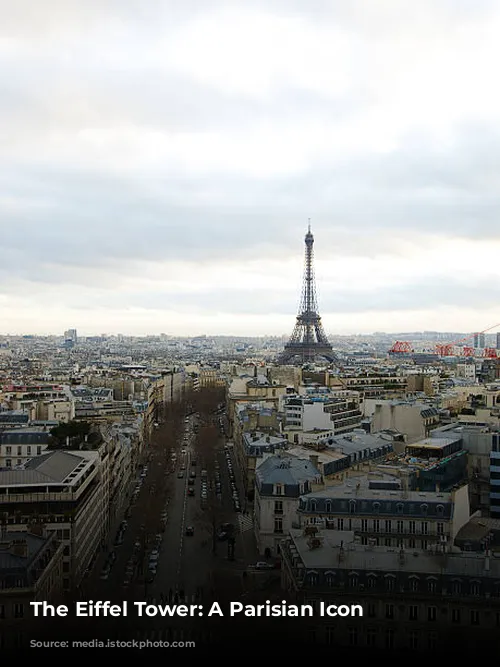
308, 340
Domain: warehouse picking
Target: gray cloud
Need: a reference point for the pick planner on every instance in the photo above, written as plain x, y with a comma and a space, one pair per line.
65, 213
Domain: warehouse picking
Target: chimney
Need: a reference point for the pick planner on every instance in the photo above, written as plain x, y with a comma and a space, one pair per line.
314, 458
19, 548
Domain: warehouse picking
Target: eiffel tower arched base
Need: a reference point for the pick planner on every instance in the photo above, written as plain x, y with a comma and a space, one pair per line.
303, 353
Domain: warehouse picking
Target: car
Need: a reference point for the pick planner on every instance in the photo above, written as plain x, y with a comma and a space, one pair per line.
193, 462
183, 467
158, 539
129, 571
155, 554
190, 482
189, 531
193, 474
137, 546
190, 491
180, 475
261, 565
104, 575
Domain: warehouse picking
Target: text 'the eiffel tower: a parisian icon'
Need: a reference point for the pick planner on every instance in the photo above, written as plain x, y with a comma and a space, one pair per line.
308, 340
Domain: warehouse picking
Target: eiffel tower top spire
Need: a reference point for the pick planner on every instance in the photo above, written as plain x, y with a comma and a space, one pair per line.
308, 339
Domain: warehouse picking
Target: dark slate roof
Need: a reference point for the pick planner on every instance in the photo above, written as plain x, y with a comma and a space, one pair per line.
24, 437
11, 561
286, 470
51, 468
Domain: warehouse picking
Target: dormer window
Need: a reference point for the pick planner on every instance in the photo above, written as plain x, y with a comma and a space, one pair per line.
376, 507
279, 490
399, 508
424, 508
352, 506
328, 506
313, 506
440, 510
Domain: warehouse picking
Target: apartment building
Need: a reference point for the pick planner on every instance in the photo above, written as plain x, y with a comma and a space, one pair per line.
279, 482
413, 418
495, 476
18, 445
251, 450
31, 570
412, 601
65, 492
321, 411
383, 512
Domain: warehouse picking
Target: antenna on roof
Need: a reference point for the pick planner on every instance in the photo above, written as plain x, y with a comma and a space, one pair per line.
308, 224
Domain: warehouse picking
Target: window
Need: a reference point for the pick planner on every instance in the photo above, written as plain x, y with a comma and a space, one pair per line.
424, 508
412, 527
413, 612
388, 526
431, 586
424, 544
29, 450
455, 615
352, 506
400, 526
387, 542
440, 528
8, 463
474, 588
425, 528
341, 524
431, 613
414, 585
328, 506
456, 587
413, 640
38, 450
353, 636
18, 610
474, 617
399, 508
371, 637
279, 490
372, 581
330, 579
364, 525
278, 525
389, 638
330, 634
19, 461
19, 450
8, 451
440, 510
278, 507
353, 580
372, 612
376, 507
389, 611
389, 584
376, 526
412, 543
432, 640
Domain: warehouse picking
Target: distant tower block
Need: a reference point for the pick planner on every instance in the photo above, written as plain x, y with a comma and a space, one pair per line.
308, 341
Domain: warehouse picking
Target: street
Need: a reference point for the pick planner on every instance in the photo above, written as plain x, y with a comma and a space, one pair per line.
171, 547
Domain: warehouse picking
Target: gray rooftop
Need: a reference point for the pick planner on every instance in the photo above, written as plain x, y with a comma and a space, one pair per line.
286, 470
24, 437
359, 488
11, 561
385, 559
52, 468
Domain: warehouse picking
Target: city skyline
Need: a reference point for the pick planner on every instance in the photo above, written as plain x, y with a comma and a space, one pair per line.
160, 163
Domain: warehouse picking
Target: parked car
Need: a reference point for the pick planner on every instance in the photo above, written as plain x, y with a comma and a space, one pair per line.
189, 531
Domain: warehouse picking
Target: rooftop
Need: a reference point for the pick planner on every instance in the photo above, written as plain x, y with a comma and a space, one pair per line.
385, 559
287, 470
58, 467
10, 560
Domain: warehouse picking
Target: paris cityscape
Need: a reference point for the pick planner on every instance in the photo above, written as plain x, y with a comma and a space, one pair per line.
249, 327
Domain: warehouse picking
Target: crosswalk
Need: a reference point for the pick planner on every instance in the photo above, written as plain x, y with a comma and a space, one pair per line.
246, 522
170, 634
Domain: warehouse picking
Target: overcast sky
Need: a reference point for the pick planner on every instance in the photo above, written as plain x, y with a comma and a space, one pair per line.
159, 162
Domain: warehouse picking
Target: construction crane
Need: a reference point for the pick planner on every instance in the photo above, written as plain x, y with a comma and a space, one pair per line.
448, 349
401, 347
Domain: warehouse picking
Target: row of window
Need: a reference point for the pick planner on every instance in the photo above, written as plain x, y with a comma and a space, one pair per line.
30, 451
415, 585
379, 526
375, 507
429, 614
385, 639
